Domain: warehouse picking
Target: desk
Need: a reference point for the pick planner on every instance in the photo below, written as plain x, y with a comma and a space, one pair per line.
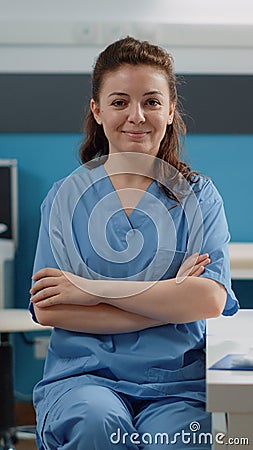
231, 391
15, 320
11, 320
241, 260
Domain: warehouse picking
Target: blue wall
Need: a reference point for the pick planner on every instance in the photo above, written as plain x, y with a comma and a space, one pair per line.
44, 158
228, 159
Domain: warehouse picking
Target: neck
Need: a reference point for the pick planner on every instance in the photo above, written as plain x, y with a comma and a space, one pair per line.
130, 169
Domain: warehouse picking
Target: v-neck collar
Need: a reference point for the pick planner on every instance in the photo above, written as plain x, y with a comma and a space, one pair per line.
129, 217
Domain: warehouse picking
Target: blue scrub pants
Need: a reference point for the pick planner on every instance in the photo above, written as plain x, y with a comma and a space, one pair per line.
96, 418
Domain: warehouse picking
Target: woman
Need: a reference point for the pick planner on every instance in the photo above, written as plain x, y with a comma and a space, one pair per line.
131, 258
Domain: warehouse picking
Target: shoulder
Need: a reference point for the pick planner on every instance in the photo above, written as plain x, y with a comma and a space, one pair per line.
205, 190
68, 185
52, 193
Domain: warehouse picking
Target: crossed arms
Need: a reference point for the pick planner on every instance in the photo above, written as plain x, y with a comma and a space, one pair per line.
65, 300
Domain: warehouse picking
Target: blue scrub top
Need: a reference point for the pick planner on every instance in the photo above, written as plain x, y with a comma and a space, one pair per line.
84, 230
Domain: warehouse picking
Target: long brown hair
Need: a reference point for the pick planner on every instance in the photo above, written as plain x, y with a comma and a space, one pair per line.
134, 52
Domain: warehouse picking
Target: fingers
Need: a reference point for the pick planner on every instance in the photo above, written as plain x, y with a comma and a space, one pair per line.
50, 301
46, 287
43, 283
197, 271
193, 262
47, 272
53, 286
199, 266
202, 258
44, 297
189, 263
194, 265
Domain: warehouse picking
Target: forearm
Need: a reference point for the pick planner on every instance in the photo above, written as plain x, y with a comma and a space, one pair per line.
167, 301
98, 319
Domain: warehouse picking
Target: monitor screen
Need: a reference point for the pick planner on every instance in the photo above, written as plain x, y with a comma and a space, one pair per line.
8, 199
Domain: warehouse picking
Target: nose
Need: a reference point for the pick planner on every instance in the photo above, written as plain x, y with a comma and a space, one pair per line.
136, 114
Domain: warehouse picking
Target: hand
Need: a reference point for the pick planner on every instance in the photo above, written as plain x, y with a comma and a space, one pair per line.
54, 287
193, 266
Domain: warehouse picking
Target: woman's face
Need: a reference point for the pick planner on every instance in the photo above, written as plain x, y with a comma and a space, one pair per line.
134, 109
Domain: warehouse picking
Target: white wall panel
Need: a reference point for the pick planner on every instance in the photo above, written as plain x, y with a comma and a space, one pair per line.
62, 36
169, 11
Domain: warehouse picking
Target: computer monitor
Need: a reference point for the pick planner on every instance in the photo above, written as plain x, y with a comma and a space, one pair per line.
8, 230
8, 199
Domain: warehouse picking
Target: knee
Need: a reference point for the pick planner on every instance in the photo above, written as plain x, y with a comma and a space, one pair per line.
86, 414
94, 404
95, 415
95, 408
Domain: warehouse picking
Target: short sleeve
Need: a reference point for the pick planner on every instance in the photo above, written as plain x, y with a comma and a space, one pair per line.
215, 242
44, 256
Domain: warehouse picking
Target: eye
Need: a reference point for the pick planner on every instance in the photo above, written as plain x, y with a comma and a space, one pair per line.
119, 103
153, 102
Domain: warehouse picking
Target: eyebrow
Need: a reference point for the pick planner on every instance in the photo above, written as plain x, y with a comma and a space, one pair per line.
146, 93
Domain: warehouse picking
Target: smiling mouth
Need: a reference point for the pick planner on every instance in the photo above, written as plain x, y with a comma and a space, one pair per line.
136, 134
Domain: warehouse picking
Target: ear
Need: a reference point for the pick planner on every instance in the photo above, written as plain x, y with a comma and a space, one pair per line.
95, 111
171, 113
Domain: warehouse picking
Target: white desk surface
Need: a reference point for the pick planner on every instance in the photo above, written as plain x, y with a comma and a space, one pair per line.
229, 390
14, 320
241, 260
